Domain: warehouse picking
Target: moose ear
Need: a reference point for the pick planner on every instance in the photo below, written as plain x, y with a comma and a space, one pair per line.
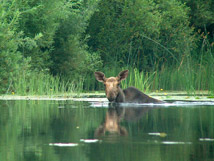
122, 75
100, 76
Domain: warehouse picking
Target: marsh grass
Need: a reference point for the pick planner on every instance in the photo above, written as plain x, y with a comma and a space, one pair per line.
43, 84
140, 80
189, 77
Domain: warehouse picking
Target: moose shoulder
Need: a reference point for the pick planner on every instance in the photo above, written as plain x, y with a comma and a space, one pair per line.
115, 94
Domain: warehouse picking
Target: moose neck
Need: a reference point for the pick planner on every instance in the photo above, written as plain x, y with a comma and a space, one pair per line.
120, 96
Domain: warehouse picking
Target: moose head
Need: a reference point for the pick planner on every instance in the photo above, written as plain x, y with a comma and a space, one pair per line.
112, 84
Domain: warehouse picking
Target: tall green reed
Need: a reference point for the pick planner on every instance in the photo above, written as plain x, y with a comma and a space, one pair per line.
141, 80
35, 83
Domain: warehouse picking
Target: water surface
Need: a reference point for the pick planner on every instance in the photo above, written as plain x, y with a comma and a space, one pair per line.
93, 131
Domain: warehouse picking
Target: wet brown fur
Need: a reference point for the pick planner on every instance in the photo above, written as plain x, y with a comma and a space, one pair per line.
115, 94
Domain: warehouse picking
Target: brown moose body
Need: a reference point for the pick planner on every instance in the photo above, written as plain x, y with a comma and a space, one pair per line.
115, 94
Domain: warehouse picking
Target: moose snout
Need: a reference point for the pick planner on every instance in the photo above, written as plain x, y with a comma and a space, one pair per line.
111, 97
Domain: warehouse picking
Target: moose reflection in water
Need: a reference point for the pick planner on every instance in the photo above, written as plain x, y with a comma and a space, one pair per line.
115, 94
115, 115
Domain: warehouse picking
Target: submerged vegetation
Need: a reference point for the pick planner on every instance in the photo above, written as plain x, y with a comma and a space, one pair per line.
54, 46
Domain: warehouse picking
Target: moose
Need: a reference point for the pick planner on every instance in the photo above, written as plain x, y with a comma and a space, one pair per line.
117, 95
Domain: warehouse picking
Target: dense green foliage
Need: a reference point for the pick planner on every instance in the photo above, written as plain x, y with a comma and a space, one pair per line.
71, 39
141, 33
43, 37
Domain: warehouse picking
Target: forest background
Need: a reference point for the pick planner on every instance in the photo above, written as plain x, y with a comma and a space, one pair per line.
54, 46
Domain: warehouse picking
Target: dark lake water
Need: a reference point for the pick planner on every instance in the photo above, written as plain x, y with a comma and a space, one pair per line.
83, 131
